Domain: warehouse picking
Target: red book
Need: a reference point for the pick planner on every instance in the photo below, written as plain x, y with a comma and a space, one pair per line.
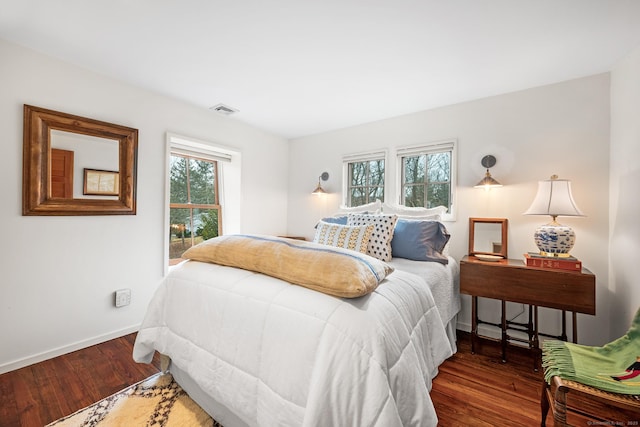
570, 264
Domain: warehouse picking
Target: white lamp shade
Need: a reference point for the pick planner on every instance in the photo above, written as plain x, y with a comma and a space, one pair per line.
554, 198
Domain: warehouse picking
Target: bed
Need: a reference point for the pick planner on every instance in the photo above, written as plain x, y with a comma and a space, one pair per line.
444, 284
254, 349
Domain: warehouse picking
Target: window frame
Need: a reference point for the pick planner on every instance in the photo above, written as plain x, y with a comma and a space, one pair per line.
228, 183
369, 156
449, 145
193, 206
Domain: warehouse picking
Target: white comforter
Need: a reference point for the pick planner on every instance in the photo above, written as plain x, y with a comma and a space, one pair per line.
443, 280
277, 354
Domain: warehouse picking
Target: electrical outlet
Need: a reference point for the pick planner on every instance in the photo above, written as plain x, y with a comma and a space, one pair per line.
123, 297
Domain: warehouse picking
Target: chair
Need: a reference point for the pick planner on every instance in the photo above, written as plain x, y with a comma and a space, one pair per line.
585, 405
580, 386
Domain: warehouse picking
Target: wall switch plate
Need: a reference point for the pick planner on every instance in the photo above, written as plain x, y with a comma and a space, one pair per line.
123, 297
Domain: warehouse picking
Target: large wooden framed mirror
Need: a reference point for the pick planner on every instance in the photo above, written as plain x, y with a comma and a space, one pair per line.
488, 238
64, 155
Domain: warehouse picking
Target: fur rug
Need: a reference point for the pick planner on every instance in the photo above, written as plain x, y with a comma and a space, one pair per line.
156, 401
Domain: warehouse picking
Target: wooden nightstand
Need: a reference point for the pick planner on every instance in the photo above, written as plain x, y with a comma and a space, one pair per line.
511, 280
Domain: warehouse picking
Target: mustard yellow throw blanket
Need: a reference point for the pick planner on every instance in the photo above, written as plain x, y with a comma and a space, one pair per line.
614, 367
331, 270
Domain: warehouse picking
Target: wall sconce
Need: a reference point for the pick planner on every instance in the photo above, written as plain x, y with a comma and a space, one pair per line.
554, 198
319, 190
488, 182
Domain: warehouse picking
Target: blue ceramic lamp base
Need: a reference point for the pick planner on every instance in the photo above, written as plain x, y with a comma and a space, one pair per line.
554, 240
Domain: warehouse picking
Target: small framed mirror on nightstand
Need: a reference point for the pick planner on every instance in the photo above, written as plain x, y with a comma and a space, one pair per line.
488, 238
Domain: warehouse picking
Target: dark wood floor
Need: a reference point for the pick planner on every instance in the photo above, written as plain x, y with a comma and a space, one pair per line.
41, 393
479, 390
470, 390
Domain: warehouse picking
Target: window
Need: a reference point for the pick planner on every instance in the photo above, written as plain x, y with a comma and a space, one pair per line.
203, 187
194, 207
427, 175
365, 178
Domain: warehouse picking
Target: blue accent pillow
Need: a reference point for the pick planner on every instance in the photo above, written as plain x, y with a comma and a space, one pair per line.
420, 240
340, 220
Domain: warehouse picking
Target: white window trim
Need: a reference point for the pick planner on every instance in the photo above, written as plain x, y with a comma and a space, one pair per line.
229, 181
362, 157
192, 148
431, 147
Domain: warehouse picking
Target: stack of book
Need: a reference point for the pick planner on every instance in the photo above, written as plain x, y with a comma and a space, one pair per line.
534, 259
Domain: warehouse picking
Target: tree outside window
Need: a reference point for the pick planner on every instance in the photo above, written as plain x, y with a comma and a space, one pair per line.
366, 182
426, 180
194, 208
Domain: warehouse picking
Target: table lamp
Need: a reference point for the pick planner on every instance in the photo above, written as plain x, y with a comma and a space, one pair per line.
554, 198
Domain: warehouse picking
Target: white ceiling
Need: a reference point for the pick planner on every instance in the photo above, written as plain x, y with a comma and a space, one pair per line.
300, 67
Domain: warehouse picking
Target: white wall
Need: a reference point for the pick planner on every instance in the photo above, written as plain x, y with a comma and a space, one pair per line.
59, 273
624, 225
561, 129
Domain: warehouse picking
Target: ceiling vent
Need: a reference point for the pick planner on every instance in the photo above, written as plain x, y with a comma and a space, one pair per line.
225, 110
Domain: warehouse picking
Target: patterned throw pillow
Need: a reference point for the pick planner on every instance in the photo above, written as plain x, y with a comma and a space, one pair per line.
344, 236
380, 241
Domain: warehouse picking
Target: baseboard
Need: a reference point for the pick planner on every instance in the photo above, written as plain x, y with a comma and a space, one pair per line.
50, 354
489, 331
463, 326
484, 330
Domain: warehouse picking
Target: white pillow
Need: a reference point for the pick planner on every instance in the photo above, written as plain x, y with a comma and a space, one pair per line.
434, 214
373, 207
355, 238
380, 241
